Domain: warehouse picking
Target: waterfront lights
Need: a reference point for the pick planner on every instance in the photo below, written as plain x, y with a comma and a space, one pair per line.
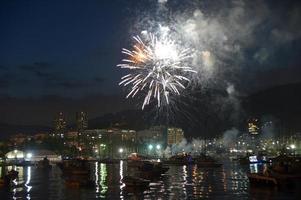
150, 147
158, 146
28, 155
120, 150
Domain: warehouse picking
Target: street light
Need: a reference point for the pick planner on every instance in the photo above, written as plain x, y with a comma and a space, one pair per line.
150, 147
293, 146
158, 146
120, 150
28, 155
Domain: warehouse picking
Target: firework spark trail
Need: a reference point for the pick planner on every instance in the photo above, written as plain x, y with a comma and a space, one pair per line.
158, 68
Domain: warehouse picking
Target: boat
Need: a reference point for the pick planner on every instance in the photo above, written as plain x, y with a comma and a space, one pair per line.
270, 176
261, 178
287, 167
44, 164
206, 161
136, 160
76, 167
131, 181
8, 178
109, 161
253, 159
76, 173
145, 167
180, 159
152, 169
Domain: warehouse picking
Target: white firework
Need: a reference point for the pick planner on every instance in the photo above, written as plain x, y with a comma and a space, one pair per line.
158, 68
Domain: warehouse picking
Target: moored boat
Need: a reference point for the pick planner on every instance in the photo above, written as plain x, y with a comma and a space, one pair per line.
262, 179
206, 161
131, 181
76, 173
180, 159
152, 169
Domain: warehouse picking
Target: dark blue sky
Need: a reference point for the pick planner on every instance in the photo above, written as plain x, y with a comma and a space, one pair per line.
59, 47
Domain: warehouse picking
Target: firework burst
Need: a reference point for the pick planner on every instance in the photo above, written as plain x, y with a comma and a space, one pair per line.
158, 68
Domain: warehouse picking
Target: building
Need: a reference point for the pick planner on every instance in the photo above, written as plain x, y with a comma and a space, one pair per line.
120, 141
81, 121
105, 143
38, 155
40, 137
174, 135
154, 134
253, 126
15, 155
18, 139
59, 125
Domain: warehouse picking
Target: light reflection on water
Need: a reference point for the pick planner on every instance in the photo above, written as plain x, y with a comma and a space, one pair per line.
180, 182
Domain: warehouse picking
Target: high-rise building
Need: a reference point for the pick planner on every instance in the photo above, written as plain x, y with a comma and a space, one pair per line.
174, 135
59, 125
81, 121
253, 126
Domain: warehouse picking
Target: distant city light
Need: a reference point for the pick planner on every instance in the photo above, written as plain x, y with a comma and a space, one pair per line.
28, 155
150, 147
293, 146
158, 146
120, 150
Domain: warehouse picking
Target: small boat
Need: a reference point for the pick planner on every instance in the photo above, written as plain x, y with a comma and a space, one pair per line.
136, 160
263, 179
44, 164
150, 169
109, 161
75, 167
8, 178
206, 161
180, 159
76, 173
270, 176
131, 181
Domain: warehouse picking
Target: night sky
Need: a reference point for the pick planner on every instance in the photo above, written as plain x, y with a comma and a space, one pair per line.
62, 55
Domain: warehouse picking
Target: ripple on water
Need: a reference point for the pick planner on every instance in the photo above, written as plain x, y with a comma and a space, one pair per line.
180, 182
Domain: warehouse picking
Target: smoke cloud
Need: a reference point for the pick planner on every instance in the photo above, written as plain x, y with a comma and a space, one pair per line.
229, 137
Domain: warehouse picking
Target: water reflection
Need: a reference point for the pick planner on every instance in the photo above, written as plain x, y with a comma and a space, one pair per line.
122, 185
96, 174
103, 176
180, 182
28, 180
